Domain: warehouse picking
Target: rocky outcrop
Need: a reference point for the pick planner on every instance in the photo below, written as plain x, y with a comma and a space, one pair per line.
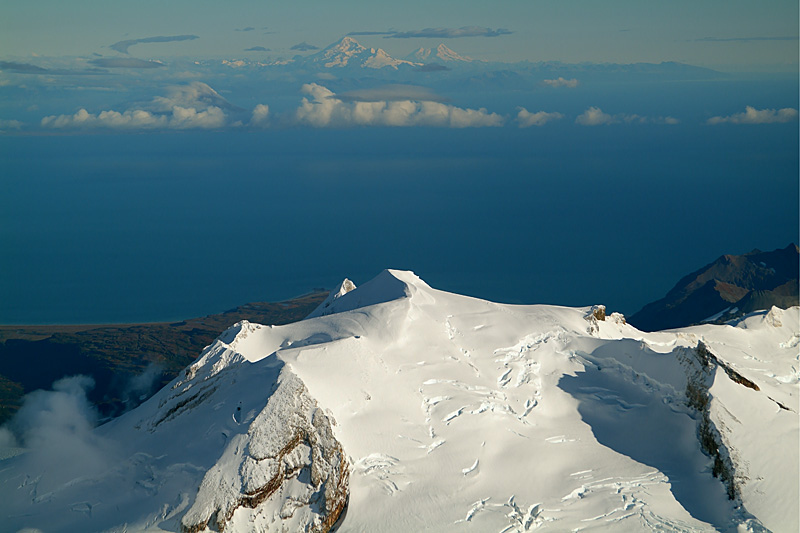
700, 365
288, 472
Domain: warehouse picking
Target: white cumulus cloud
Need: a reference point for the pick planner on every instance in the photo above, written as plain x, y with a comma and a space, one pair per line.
179, 118
561, 82
260, 115
195, 105
752, 115
323, 109
594, 116
10, 124
526, 119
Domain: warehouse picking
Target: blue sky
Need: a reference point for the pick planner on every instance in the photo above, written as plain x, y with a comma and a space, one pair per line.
731, 35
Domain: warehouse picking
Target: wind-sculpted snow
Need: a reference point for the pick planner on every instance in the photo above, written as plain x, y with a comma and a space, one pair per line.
429, 411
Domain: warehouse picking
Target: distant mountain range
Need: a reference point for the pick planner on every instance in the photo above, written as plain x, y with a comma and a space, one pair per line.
348, 56
728, 288
441, 53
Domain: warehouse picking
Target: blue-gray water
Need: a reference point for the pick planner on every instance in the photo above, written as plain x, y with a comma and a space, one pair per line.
150, 227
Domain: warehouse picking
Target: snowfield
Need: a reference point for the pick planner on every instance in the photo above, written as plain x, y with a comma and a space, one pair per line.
399, 407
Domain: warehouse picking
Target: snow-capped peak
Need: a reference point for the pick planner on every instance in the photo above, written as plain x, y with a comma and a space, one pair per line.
348, 53
446, 54
420, 409
347, 45
325, 308
440, 53
387, 286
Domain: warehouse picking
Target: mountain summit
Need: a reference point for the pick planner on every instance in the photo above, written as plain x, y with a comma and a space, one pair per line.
440, 53
350, 53
399, 407
728, 288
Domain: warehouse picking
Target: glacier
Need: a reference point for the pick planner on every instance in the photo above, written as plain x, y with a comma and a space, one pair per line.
399, 407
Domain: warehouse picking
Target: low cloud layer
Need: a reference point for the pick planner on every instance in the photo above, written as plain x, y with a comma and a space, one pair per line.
431, 67
22, 68
179, 118
561, 82
195, 105
449, 33
10, 124
526, 119
743, 39
752, 115
322, 108
357, 33
594, 116
125, 62
27, 68
391, 93
256, 49
304, 47
122, 46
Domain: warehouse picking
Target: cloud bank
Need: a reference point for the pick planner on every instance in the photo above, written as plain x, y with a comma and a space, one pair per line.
594, 116
449, 33
10, 124
526, 119
391, 93
256, 49
27, 68
431, 67
179, 118
125, 62
122, 46
195, 105
324, 109
304, 47
356, 33
752, 115
743, 39
561, 82
22, 68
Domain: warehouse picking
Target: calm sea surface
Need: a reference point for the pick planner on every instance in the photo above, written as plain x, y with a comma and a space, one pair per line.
130, 228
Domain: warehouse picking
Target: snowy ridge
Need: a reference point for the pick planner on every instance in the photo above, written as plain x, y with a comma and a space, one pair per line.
348, 53
440, 53
288, 468
426, 410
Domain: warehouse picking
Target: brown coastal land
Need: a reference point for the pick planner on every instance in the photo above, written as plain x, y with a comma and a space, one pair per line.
128, 362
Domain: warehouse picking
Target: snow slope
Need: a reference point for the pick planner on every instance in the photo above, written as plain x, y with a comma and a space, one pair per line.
440, 53
349, 53
429, 411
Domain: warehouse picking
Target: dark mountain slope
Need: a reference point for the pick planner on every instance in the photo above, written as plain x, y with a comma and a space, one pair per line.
33, 357
733, 284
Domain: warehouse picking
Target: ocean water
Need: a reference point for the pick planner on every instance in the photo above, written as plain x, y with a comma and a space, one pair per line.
102, 228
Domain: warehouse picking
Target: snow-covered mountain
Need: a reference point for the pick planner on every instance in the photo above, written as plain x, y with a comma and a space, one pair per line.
399, 407
349, 53
439, 54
